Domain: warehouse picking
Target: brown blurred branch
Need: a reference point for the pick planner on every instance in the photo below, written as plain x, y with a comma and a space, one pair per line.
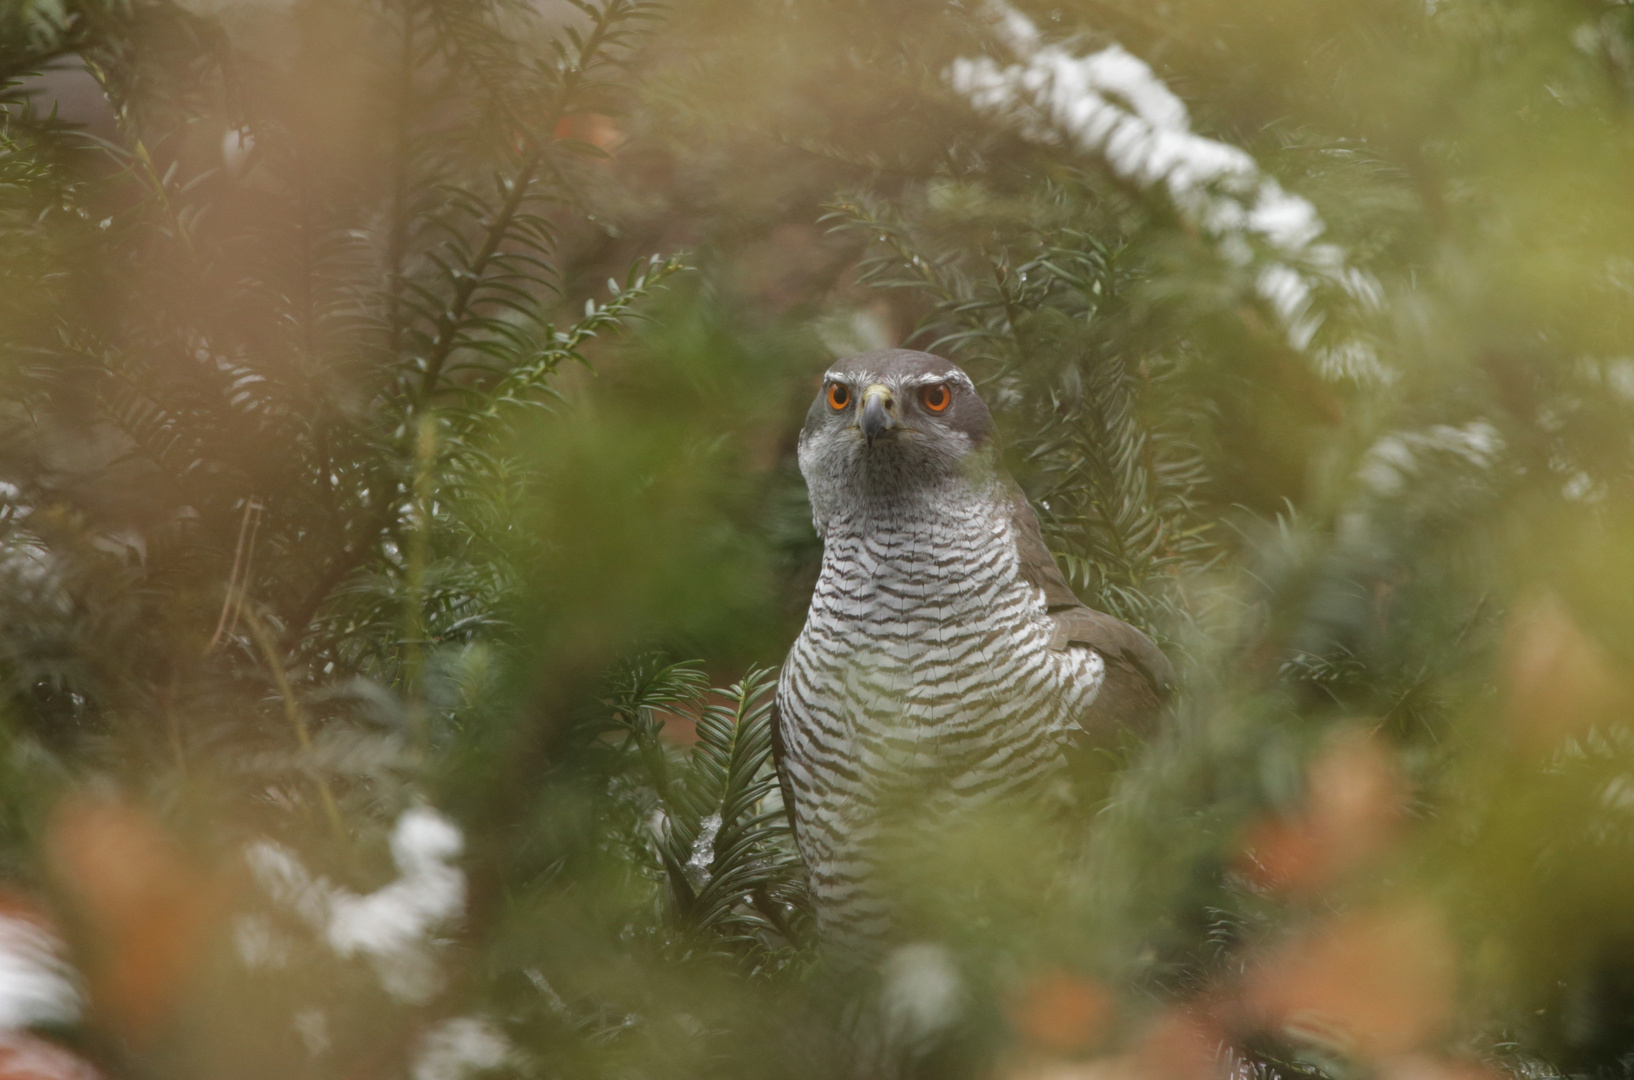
292, 712
238, 580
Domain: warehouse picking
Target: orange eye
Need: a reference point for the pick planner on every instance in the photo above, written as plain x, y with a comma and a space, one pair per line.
839, 396
935, 397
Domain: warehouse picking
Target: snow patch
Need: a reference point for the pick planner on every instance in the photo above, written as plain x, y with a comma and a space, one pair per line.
1110, 103
923, 992
703, 852
36, 984
456, 1048
392, 925
1394, 459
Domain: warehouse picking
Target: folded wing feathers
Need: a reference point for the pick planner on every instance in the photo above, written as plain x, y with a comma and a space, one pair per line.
1139, 676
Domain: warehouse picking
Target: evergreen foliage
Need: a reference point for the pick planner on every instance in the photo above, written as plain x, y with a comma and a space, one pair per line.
399, 530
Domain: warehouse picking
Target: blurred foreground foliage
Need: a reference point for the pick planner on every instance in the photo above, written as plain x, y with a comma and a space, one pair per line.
400, 523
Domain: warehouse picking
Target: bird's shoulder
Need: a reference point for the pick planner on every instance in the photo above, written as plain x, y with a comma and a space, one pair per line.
1139, 677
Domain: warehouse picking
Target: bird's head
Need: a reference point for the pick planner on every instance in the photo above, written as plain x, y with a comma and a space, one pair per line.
891, 427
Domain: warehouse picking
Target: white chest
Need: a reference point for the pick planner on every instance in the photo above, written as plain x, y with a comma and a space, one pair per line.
925, 651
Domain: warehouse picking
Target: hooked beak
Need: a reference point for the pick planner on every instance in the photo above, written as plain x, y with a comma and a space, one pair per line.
878, 417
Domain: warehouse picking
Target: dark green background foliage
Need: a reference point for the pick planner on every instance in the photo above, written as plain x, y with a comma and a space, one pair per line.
397, 409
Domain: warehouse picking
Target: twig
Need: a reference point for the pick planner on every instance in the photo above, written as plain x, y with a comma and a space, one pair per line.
292, 712
234, 586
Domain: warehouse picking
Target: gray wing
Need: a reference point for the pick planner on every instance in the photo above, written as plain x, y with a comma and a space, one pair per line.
1139, 678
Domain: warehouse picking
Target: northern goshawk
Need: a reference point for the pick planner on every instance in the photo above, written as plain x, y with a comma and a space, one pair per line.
944, 654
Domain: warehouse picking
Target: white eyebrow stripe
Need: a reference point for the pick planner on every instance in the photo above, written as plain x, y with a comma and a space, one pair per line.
958, 378
869, 378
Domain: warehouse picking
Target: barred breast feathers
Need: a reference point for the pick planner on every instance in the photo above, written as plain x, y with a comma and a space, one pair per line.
943, 651
926, 658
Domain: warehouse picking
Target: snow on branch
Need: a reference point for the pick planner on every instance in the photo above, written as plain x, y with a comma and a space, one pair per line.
394, 925
1110, 104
